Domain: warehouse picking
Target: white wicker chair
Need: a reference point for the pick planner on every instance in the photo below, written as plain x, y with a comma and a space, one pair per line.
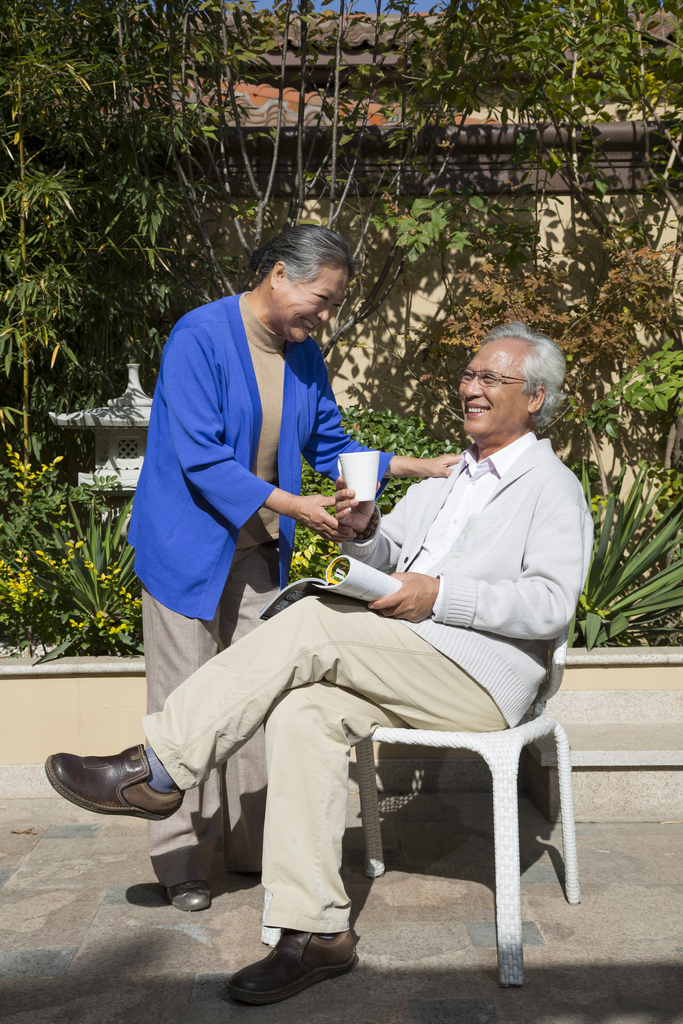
501, 751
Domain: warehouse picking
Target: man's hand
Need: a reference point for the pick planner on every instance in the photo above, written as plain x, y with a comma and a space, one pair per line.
350, 511
404, 465
414, 601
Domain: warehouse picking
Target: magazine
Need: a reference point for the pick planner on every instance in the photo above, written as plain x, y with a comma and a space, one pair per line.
344, 575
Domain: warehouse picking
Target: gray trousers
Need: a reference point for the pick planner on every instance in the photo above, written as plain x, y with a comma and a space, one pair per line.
182, 848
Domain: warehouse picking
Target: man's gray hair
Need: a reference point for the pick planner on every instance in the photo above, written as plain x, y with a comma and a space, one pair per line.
544, 364
305, 251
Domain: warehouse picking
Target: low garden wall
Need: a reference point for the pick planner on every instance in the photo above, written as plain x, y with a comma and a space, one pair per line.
81, 705
623, 711
94, 706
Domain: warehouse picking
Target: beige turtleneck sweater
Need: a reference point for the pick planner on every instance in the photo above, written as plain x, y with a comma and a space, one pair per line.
268, 356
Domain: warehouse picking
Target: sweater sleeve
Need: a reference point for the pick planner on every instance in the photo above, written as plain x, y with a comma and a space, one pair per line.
541, 602
383, 549
196, 424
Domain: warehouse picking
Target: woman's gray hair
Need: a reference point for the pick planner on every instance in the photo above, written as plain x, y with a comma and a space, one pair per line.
305, 250
544, 364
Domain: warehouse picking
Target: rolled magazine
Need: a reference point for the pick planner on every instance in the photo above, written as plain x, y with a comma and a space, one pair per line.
345, 576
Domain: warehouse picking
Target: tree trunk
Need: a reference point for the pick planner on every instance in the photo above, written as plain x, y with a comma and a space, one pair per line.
598, 459
673, 442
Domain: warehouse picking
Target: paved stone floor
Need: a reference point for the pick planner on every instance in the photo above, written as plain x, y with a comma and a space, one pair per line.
86, 935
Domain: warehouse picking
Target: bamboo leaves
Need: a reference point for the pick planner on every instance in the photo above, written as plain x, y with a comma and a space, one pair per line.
84, 217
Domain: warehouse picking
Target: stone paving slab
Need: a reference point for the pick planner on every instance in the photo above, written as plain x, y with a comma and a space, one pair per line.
36, 963
88, 937
48, 918
454, 1011
145, 894
483, 934
73, 831
209, 987
541, 874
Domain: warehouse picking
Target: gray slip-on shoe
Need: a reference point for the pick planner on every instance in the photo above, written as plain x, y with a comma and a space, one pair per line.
190, 896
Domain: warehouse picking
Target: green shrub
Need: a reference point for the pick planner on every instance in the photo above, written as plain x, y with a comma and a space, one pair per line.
69, 589
380, 430
93, 590
634, 591
64, 588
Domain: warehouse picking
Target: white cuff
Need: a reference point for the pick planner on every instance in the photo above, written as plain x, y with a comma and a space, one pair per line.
440, 605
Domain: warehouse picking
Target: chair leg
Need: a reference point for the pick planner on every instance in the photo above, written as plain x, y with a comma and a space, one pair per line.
564, 777
504, 769
369, 809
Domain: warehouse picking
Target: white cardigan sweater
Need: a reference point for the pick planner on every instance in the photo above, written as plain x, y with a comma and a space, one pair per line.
513, 576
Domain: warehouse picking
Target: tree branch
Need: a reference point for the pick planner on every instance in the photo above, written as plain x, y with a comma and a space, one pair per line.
265, 199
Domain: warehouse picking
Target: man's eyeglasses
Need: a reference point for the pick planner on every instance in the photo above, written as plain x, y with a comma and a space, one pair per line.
487, 378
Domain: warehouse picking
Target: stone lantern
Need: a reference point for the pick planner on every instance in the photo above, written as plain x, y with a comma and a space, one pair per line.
120, 436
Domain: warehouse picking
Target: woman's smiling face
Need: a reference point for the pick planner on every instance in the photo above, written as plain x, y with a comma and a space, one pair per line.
295, 309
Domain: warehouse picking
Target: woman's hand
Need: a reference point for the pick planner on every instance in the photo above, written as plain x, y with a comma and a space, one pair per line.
312, 514
405, 465
349, 511
310, 510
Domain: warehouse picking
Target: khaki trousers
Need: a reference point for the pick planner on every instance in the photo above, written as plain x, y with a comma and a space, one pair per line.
182, 848
323, 674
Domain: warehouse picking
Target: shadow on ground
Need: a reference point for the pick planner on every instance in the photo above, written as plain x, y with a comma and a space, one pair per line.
602, 994
451, 838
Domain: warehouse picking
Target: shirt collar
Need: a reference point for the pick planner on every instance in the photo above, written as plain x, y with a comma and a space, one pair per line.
501, 461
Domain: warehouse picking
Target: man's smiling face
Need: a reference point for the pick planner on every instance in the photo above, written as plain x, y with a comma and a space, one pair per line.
297, 308
495, 417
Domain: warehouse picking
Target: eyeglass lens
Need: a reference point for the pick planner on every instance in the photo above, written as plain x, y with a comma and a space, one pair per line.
488, 379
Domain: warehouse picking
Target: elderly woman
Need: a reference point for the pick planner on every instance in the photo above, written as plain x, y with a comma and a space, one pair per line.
242, 394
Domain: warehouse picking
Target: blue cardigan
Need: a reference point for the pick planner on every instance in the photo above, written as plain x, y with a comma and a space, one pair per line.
196, 489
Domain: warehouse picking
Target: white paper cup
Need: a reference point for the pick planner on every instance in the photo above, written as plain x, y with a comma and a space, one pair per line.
360, 470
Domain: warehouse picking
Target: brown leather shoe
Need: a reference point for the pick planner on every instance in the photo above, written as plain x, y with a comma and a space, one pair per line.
111, 785
300, 959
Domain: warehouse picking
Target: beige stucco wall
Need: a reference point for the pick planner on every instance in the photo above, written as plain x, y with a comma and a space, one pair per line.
100, 714
374, 366
42, 715
623, 677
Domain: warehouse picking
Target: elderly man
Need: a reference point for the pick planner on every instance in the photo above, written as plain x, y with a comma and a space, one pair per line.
491, 560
